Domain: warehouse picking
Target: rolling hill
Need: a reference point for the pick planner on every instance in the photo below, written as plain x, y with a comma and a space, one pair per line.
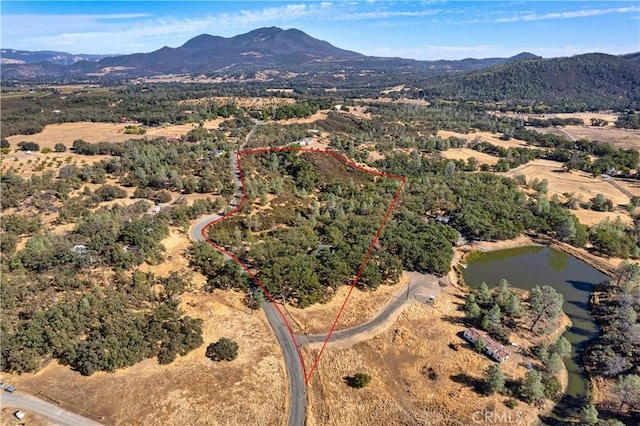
12, 56
590, 78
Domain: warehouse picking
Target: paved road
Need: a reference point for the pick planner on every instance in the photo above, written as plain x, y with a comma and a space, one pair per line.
297, 395
419, 287
57, 414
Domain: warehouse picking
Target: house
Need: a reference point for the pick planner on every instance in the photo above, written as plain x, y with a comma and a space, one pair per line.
492, 348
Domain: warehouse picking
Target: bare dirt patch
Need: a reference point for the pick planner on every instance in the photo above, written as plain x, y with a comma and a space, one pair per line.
591, 217
405, 101
320, 115
192, 390
610, 116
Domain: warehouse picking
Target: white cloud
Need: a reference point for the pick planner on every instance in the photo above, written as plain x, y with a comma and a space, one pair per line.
530, 16
126, 33
453, 52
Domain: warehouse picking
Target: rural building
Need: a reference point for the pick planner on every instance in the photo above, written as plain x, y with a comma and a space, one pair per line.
492, 348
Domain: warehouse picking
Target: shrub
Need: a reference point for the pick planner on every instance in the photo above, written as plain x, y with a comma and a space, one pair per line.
46, 150
511, 403
222, 350
29, 146
358, 380
60, 147
134, 130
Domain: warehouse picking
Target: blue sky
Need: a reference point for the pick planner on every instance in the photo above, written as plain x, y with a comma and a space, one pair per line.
410, 29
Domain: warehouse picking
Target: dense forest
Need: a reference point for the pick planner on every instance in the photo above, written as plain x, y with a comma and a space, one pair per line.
584, 82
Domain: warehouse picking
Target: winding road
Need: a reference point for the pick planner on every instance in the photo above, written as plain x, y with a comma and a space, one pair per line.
297, 394
419, 287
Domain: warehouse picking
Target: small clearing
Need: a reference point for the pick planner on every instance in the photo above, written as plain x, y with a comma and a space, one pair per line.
465, 153
66, 133
493, 139
577, 182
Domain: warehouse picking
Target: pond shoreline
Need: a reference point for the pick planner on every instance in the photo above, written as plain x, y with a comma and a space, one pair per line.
579, 291
605, 265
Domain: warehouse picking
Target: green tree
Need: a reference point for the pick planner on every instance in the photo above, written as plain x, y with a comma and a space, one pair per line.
628, 390
483, 293
28, 146
223, 350
553, 363
480, 345
513, 306
562, 347
601, 203
493, 380
449, 169
532, 389
4, 143
589, 415
60, 147
205, 258
472, 310
544, 304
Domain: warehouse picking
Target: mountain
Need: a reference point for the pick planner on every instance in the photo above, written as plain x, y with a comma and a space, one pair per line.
590, 78
12, 56
264, 48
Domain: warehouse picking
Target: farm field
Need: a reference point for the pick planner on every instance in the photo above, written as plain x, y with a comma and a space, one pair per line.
618, 138
466, 153
492, 138
582, 185
66, 133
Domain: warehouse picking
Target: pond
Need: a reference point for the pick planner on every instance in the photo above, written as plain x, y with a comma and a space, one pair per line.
526, 267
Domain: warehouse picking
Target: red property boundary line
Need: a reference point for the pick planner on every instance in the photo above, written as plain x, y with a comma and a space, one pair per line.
402, 179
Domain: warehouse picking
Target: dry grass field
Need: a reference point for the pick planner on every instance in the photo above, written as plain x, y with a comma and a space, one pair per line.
401, 392
493, 139
192, 390
619, 138
466, 153
582, 185
362, 306
66, 133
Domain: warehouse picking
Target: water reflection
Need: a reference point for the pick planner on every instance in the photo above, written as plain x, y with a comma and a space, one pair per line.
526, 267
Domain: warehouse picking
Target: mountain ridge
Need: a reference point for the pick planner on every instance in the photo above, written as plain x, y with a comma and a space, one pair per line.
268, 47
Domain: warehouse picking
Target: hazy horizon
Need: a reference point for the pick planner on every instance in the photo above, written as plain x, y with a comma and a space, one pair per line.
430, 30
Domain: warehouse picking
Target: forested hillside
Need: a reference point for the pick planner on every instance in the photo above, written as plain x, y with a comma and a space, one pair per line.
594, 81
